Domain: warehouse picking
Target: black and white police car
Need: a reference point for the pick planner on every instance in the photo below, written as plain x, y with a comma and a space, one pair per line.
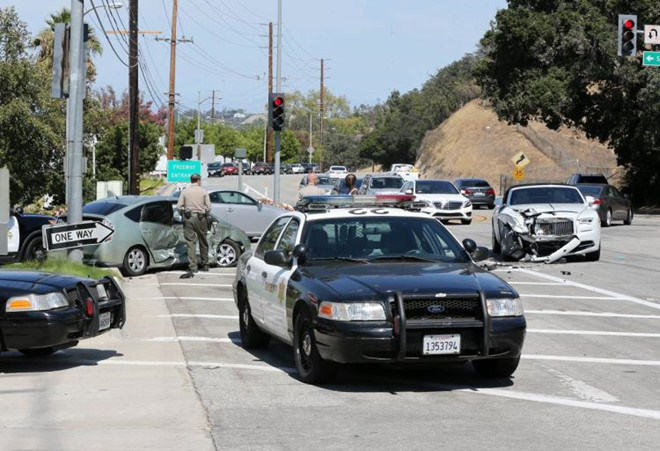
370, 283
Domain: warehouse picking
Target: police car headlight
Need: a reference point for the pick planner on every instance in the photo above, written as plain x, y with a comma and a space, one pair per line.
36, 302
505, 307
357, 311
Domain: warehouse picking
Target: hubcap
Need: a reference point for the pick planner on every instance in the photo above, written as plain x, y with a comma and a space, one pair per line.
307, 345
136, 260
226, 255
246, 316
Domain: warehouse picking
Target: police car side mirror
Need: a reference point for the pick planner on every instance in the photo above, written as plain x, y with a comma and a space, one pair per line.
469, 245
409, 191
478, 253
299, 251
277, 258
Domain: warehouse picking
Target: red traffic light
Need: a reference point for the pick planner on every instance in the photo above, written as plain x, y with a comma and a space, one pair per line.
629, 23
277, 101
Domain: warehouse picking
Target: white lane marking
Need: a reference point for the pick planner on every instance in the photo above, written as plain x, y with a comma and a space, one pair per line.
210, 273
597, 314
613, 294
187, 298
200, 339
644, 413
191, 315
581, 389
561, 358
553, 296
174, 284
593, 332
533, 283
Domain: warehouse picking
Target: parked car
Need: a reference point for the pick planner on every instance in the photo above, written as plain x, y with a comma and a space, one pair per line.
42, 312
24, 236
574, 179
230, 168
149, 234
297, 168
478, 191
246, 168
261, 168
215, 169
337, 171
545, 222
325, 183
405, 171
381, 184
442, 199
307, 167
285, 168
610, 204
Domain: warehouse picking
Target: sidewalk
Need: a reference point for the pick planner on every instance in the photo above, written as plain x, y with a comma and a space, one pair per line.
116, 391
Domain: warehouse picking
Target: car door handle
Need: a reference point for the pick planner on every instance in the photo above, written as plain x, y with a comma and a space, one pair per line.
264, 274
230, 210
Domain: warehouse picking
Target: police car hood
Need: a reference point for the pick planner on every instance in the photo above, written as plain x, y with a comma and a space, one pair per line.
14, 283
359, 281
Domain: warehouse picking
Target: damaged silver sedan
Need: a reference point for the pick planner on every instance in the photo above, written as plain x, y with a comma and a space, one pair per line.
545, 223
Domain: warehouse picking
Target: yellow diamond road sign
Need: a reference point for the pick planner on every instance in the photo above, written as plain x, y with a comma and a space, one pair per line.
520, 160
518, 174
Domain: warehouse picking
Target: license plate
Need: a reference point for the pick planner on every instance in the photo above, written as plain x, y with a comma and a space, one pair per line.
441, 344
479, 194
104, 320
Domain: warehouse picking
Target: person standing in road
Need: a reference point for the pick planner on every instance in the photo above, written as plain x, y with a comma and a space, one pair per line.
311, 189
194, 205
349, 185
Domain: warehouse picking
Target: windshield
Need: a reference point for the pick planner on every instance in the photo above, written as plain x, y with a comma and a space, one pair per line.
379, 238
386, 182
337, 168
324, 180
545, 195
588, 190
435, 187
102, 207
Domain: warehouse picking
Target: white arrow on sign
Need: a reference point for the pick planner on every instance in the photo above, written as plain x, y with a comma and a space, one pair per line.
651, 34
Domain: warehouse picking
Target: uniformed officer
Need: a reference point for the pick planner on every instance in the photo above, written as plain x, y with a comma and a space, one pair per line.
311, 189
194, 205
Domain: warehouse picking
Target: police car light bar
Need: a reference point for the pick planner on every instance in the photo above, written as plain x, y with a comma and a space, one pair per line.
325, 203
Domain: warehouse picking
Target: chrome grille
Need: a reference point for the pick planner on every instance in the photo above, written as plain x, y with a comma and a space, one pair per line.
560, 227
452, 205
417, 309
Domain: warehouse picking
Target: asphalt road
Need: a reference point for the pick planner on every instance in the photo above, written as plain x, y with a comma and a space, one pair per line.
588, 378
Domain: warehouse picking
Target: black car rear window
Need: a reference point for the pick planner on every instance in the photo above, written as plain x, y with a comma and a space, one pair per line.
475, 183
102, 207
590, 190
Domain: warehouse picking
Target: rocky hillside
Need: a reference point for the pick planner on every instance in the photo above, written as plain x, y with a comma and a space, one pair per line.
474, 143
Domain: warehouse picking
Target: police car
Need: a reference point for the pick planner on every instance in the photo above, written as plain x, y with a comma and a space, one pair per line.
367, 282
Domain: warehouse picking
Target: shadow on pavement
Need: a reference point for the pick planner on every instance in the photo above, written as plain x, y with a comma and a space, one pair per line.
15, 362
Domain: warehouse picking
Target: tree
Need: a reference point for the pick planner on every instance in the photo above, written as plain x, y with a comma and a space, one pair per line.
555, 61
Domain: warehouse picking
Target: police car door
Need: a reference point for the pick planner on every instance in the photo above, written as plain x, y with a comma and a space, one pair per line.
255, 270
277, 279
13, 235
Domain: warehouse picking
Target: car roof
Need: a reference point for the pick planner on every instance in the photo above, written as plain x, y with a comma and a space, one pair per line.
132, 200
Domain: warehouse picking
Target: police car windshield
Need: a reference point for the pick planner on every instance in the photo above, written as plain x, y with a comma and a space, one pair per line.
377, 238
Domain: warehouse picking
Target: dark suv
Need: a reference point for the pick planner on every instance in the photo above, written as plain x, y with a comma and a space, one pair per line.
478, 191
574, 179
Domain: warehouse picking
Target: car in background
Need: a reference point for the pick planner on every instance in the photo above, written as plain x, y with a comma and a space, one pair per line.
215, 169
307, 167
324, 182
41, 312
610, 204
380, 184
341, 188
261, 168
230, 168
243, 211
574, 179
24, 236
296, 168
406, 171
149, 234
478, 191
442, 199
246, 168
285, 168
336, 171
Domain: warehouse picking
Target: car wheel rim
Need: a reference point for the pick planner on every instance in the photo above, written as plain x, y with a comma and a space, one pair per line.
304, 350
246, 316
136, 260
609, 217
226, 255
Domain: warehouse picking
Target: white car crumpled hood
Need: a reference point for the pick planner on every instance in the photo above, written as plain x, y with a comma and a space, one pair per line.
559, 210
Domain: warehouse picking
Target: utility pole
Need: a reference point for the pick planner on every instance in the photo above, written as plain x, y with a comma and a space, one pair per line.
133, 101
276, 180
170, 120
76, 96
310, 138
213, 106
321, 124
269, 137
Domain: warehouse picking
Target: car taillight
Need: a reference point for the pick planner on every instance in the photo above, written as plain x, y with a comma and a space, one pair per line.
89, 304
490, 192
467, 192
598, 201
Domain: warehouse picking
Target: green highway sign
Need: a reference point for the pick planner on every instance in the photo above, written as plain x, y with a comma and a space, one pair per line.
651, 59
180, 171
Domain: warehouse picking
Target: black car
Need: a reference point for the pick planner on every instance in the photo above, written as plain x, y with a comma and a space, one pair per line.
215, 169
246, 168
478, 191
41, 312
610, 204
370, 284
25, 241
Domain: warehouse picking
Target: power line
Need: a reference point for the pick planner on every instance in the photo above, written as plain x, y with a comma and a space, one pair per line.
106, 35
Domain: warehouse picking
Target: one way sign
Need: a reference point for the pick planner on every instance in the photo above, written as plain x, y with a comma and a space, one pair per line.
67, 236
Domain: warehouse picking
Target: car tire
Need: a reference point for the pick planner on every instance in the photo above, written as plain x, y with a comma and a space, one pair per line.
496, 246
251, 336
312, 369
593, 256
135, 262
496, 368
37, 352
227, 253
34, 250
629, 217
466, 221
608, 219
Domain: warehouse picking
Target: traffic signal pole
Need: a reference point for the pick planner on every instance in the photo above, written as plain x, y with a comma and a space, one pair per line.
276, 180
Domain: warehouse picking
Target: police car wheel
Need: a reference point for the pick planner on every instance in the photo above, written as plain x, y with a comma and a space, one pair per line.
251, 336
35, 250
496, 368
227, 254
311, 367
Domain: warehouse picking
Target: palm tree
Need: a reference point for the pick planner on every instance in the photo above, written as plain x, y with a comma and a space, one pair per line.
43, 43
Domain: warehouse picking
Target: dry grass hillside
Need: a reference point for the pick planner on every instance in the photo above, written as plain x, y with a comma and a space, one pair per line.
474, 143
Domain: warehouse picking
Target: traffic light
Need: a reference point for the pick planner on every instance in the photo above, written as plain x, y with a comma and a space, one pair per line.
276, 111
627, 35
185, 153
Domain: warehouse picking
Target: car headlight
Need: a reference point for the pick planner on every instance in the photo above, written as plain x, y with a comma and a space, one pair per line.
356, 311
586, 220
467, 203
36, 302
505, 307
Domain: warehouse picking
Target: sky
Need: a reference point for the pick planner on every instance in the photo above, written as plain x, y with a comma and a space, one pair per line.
370, 47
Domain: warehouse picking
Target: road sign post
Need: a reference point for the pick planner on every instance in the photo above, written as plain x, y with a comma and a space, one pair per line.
68, 236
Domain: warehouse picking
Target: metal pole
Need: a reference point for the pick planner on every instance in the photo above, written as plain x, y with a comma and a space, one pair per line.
170, 120
269, 138
276, 185
199, 125
76, 96
310, 137
94, 156
133, 96
240, 174
321, 124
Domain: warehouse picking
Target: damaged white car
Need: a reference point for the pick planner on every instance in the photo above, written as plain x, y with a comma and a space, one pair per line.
545, 223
